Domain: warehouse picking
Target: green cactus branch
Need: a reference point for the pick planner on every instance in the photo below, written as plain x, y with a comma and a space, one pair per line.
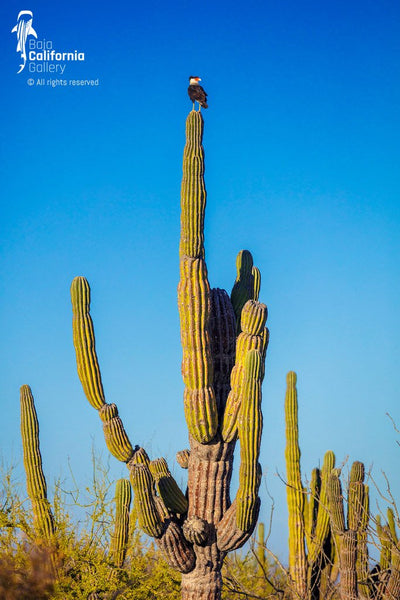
119, 538
35, 479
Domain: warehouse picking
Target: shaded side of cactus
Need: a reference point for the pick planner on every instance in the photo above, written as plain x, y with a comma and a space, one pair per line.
35, 479
319, 541
243, 288
119, 538
222, 329
295, 492
167, 488
149, 518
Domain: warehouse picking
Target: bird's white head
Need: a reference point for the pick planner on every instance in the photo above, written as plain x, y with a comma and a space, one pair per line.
194, 80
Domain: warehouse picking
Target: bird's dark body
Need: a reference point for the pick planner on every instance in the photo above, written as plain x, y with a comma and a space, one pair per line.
197, 94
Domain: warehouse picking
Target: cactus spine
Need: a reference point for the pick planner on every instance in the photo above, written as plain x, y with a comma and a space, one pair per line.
222, 402
35, 479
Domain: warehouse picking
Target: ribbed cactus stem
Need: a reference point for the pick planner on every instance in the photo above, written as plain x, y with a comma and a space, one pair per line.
222, 330
119, 538
362, 549
84, 342
89, 372
356, 496
167, 488
385, 543
193, 191
35, 479
322, 521
145, 506
243, 288
348, 537
311, 507
260, 550
335, 498
256, 282
249, 428
254, 316
295, 492
114, 433
194, 296
392, 525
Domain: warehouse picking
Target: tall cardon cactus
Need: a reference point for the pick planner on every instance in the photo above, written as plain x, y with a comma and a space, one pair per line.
224, 341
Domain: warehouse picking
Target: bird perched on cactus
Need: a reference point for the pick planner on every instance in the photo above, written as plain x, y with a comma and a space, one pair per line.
196, 92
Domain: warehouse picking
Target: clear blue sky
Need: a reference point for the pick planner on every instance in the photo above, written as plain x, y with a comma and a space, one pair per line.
302, 168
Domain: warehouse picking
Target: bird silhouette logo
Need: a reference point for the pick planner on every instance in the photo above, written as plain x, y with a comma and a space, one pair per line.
23, 28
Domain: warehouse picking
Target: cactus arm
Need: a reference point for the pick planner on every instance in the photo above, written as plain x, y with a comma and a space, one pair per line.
294, 491
89, 372
256, 282
311, 508
356, 496
229, 536
177, 551
154, 519
182, 458
243, 288
362, 546
239, 521
252, 337
260, 549
249, 428
167, 488
194, 296
149, 518
222, 329
114, 433
392, 525
35, 479
322, 521
119, 539
84, 342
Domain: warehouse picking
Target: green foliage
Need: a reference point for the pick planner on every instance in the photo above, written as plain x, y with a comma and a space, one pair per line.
84, 565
